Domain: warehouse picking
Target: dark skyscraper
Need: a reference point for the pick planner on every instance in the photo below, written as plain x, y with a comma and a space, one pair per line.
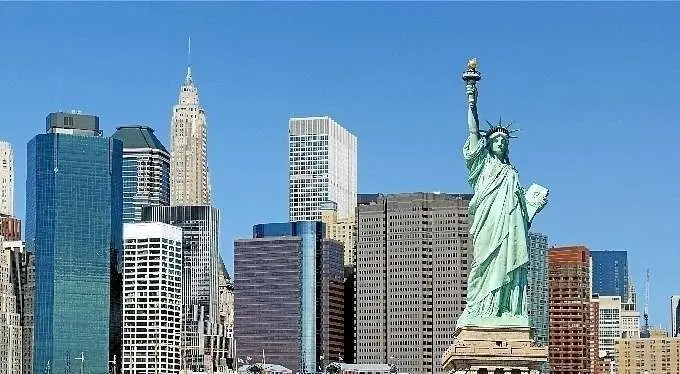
289, 289
146, 171
74, 228
610, 273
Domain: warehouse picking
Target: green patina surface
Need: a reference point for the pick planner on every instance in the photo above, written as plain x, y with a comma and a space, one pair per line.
502, 212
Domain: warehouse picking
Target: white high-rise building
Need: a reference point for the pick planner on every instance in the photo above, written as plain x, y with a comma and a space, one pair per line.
609, 327
189, 176
152, 299
322, 157
6, 179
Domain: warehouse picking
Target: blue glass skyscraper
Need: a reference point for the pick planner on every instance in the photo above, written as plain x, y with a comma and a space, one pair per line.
146, 171
610, 273
537, 290
74, 228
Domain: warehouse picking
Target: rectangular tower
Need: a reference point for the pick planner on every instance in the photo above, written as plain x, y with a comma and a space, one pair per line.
322, 158
74, 227
571, 312
289, 288
152, 303
146, 171
610, 313
537, 289
610, 273
413, 259
205, 342
6, 178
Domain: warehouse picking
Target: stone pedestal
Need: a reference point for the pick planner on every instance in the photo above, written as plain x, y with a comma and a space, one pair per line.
494, 350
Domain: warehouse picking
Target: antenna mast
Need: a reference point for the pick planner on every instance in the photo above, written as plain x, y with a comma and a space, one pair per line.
645, 328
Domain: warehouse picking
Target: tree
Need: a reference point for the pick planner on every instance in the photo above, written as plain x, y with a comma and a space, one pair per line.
333, 368
255, 369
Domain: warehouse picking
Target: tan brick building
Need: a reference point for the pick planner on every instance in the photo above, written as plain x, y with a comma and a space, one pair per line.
413, 255
657, 354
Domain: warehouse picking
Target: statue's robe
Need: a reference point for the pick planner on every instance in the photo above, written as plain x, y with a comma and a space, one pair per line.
496, 291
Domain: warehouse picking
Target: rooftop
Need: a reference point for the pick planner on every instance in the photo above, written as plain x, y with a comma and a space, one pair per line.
138, 137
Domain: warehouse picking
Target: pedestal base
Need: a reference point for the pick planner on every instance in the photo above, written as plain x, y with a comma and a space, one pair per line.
494, 350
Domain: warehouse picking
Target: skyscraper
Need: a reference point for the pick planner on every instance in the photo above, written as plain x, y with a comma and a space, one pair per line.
322, 158
289, 295
152, 304
610, 273
11, 345
537, 289
573, 316
146, 171
413, 258
189, 175
6, 179
205, 340
74, 227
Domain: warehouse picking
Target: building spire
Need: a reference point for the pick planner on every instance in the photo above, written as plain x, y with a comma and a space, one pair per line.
189, 79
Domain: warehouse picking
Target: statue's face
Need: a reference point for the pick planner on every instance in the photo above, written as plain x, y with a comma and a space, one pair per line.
499, 145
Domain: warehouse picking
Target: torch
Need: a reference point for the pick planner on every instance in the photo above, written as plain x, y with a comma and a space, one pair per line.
471, 76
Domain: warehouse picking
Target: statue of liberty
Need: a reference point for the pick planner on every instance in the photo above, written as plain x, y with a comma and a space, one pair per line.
501, 212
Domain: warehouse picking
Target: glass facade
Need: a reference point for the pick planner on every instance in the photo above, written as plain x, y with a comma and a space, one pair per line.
610, 273
291, 262
74, 228
537, 288
310, 233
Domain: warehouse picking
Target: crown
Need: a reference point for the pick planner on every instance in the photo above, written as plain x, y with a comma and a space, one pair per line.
500, 128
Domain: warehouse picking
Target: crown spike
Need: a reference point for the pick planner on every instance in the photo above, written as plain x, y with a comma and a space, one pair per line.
500, 127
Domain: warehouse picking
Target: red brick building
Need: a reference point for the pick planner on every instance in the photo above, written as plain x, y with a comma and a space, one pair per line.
573, 315
10, 227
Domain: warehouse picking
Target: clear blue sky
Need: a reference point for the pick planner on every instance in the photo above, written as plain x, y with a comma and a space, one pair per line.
594, 88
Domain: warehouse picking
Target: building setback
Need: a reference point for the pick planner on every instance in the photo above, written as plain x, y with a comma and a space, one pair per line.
413, 257
322, 167
74, 228
289, 295
152, 298
573, 316
206, 342
189, 174
146, 171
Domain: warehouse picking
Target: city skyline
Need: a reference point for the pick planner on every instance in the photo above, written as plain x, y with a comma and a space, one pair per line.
402, 80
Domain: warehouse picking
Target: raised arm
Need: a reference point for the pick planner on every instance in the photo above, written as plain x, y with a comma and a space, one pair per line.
473, 119
471, 76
